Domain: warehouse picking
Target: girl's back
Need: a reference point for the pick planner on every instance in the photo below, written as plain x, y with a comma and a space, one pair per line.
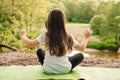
58, 44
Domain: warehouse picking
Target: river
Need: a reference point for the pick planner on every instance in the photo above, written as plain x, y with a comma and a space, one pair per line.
102, 54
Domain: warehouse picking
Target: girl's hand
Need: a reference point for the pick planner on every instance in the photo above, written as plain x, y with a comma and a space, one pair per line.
87, 33
23, 33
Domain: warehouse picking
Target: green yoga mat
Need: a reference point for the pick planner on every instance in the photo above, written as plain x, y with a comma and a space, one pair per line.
36, 73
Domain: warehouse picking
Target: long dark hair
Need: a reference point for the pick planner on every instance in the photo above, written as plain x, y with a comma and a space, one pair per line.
58, 41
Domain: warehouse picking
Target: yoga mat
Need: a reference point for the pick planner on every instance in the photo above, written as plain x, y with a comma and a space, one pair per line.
36, 73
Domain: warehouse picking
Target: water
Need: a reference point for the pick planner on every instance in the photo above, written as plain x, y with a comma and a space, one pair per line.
105, 55
97, 54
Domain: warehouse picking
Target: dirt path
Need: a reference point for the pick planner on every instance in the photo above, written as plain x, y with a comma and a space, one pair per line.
7, 59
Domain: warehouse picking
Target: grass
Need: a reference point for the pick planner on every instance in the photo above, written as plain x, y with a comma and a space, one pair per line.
77, 30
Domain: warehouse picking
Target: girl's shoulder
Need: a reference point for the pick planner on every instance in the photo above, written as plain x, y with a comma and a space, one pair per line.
41, 37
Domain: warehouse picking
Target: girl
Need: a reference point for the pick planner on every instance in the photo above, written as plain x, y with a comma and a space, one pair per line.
58, 44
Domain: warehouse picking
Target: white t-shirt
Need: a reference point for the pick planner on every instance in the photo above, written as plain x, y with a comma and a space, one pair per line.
54, 64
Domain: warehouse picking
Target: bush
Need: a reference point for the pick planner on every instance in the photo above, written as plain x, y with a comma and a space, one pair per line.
98, 23
110, 47
101, 46
96, 45
74, 20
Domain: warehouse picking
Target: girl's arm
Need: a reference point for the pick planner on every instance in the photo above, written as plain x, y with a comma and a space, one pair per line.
84, 42
28, 41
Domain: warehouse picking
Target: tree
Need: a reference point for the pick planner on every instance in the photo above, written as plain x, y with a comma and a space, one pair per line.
17, 14
108, 27
78, 10
103, 7
114, 24
98, 23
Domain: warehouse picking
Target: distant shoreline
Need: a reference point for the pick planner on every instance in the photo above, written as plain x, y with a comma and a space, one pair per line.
95, 50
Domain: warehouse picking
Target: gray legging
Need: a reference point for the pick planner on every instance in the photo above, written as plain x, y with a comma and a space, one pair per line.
75, 59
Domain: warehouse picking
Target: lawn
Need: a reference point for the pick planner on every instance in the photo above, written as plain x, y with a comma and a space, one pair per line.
77, 29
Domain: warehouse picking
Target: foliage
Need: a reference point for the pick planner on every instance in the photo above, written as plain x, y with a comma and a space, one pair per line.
114, 23
103, 7
98, 23
108, 26
101, 45
79, 11
18, 14
31, 15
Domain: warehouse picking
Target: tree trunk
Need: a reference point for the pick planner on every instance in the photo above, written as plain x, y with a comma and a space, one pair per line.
12, 7
6, 46
117, 42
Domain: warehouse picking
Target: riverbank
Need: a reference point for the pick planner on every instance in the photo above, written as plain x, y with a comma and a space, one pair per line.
95, 50
18, 58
